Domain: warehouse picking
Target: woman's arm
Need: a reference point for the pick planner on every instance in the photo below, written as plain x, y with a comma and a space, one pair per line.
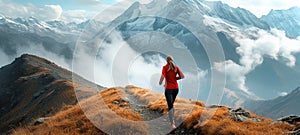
161, 79
181, 75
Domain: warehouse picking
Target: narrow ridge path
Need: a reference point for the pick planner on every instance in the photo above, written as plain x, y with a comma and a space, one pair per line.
158, 124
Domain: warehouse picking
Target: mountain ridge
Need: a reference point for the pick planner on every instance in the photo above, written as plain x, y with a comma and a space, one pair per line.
130, 118
277, 107
290, 24
33, 87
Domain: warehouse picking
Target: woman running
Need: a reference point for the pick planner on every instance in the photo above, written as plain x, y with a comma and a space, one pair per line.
171, 73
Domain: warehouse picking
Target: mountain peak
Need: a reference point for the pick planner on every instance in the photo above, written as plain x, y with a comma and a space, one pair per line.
292, 10
28, 66
33, 59
287, 20
296, 91
33, 87
29, 62
27, 56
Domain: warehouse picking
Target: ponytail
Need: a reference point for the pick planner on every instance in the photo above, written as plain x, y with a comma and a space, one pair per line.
171, 64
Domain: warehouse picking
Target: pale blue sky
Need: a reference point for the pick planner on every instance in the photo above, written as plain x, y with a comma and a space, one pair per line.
69, 4
81, 10
47, 10
258, 7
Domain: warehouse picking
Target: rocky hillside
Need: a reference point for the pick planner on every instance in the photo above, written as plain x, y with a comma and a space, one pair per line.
33, 87
133, 110
278, 107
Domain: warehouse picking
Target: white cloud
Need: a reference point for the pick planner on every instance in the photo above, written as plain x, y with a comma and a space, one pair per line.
273, 44
282, 93
139, 68
254, 45
89, 2
235, 75
45, 13
4, 59
34, 49
39, 50
261, 7
76, 16
117, 64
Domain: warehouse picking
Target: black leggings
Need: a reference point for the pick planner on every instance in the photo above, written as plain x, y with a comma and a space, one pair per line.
170, 97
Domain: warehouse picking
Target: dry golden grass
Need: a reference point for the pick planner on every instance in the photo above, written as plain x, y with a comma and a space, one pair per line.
228, 126
69, 121
298, 125
60, 93
73, 120
210, 121
103, 111
156, 101
116, 94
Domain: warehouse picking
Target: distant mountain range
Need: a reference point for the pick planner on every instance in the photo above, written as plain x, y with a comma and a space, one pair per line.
278, 107
19, 35
224, 21
29, 35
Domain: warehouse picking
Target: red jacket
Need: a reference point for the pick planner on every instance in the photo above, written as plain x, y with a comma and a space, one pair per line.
171, 77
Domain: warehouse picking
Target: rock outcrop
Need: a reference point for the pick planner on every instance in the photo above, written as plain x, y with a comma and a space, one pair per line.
242, 115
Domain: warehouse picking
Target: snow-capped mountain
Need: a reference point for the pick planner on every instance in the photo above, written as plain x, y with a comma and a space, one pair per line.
54, 40
55, 29
181, 9
287, 20
211, 18
238, 15
214, 22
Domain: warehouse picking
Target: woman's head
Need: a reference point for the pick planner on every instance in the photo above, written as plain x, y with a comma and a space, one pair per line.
169, 59
171, 64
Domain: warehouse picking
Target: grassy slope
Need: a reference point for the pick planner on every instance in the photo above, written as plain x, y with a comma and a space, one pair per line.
210, 120
32, 87
194, 114
73, 120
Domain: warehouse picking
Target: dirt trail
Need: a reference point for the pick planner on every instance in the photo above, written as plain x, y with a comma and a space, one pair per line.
157, 123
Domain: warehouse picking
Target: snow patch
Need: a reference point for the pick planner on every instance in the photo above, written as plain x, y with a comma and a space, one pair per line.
218, 24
